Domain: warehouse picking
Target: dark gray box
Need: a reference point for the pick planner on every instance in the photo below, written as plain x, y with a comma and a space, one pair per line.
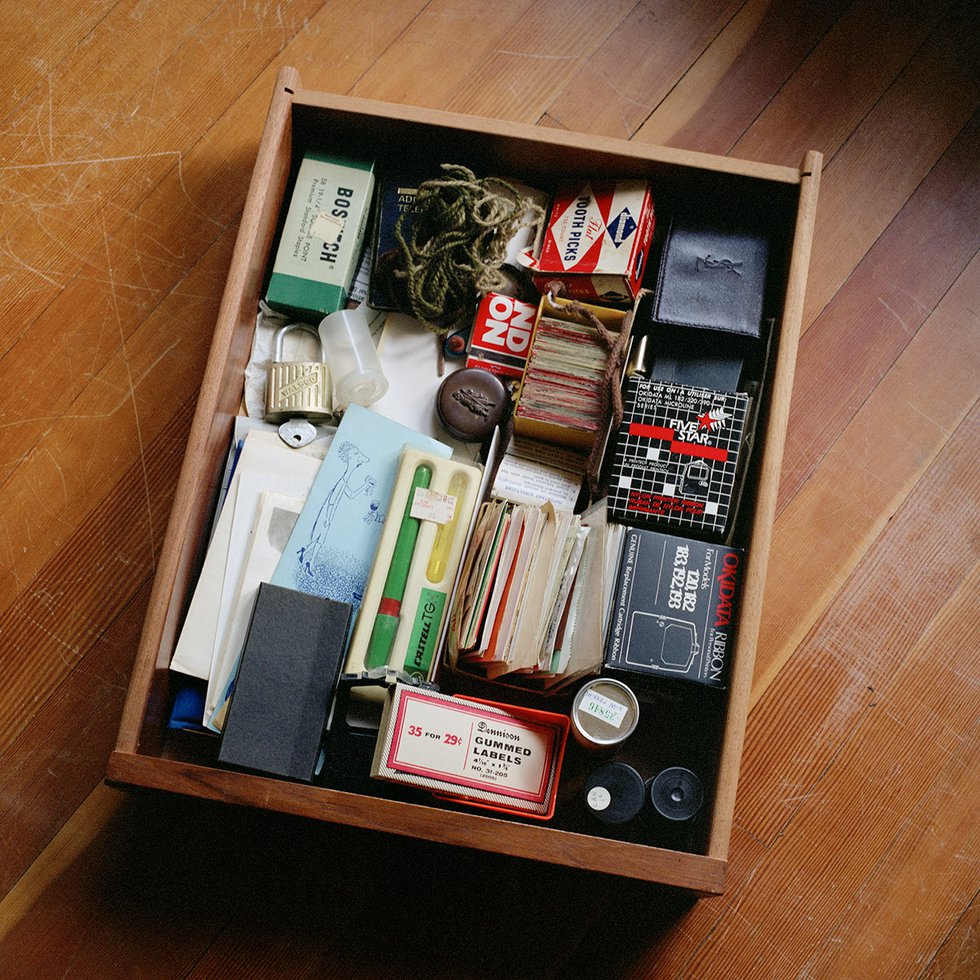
288, 673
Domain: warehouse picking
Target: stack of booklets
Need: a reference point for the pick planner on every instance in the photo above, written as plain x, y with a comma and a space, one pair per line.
529, 602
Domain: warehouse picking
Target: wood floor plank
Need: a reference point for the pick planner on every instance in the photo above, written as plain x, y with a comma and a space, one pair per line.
958, 958
72, 840
447, 35
673, 924
731, 84
50, 626
845, 77
143, 254
537, 58
454, 884
637, 65
60, 756
867, 473
870, 178
823, 100
836, 682
83, 454
900, 895
866, 795
94, 495
115, 888
202, 873
33, 47
67, 185
882, 304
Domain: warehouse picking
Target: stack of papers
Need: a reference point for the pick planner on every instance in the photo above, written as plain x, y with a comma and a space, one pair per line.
529, 602
265, 494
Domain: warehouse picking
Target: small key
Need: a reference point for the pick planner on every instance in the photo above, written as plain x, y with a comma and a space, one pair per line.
297, 433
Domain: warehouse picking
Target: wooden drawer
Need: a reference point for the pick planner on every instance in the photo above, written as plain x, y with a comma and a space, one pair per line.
146, 756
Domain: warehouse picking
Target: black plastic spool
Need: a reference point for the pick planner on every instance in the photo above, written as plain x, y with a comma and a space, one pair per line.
676, 793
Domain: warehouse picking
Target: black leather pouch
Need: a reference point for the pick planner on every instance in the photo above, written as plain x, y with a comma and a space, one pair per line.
712, 276
289, 669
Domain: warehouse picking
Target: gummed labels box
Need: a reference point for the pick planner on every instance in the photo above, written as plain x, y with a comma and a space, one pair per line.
675, 608
503, 758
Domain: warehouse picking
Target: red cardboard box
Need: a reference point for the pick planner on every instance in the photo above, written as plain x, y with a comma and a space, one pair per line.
598, 240
501, 335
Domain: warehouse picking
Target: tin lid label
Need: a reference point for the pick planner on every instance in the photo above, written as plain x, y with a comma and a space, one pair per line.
605, 709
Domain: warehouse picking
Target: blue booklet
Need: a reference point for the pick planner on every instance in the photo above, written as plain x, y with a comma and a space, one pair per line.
333, 542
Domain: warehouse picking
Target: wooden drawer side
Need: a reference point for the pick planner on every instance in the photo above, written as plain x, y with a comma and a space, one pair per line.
143, 720
765, 507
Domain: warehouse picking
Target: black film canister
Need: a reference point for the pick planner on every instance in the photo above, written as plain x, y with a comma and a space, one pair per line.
614, 792
676, 793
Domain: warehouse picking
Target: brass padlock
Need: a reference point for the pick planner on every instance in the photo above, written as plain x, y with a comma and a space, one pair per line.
297, 387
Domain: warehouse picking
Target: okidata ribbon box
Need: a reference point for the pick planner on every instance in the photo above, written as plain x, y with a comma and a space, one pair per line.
322, 236
598, 240
675, 608
501, 757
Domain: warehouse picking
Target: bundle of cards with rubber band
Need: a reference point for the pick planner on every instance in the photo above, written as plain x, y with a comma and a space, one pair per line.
562, 392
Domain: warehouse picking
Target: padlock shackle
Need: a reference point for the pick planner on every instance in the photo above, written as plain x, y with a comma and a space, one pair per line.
282, 331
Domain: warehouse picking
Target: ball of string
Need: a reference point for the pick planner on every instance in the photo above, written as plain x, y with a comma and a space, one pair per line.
455, 247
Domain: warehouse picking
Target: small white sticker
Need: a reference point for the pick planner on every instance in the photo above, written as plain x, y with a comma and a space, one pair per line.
603, 708
427, 505
599, 798
328, 227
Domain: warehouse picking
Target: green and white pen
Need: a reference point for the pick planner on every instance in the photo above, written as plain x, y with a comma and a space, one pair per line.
389, 607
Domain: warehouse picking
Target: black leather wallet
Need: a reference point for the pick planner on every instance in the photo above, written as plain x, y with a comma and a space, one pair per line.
721, 372
712, 276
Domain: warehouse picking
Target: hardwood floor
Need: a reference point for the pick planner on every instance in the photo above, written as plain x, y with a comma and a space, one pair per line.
127, 139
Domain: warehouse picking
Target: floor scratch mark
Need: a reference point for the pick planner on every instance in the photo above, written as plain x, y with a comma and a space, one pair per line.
132, 389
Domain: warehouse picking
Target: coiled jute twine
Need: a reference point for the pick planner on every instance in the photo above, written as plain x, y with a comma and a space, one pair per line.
455, 248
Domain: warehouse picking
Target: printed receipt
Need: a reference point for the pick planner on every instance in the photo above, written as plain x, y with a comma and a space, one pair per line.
528, 481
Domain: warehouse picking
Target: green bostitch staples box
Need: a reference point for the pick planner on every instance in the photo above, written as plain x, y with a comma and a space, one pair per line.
321, 239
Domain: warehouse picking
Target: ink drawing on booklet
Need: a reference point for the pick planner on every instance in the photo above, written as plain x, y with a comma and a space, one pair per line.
333, 543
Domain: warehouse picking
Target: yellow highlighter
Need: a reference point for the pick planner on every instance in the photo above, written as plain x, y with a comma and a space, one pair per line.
443, 543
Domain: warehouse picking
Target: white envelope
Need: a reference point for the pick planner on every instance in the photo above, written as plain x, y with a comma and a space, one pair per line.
277, 513
409, 359
203, 631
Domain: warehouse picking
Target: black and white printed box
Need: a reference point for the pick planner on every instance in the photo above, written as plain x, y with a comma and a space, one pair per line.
675, 608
